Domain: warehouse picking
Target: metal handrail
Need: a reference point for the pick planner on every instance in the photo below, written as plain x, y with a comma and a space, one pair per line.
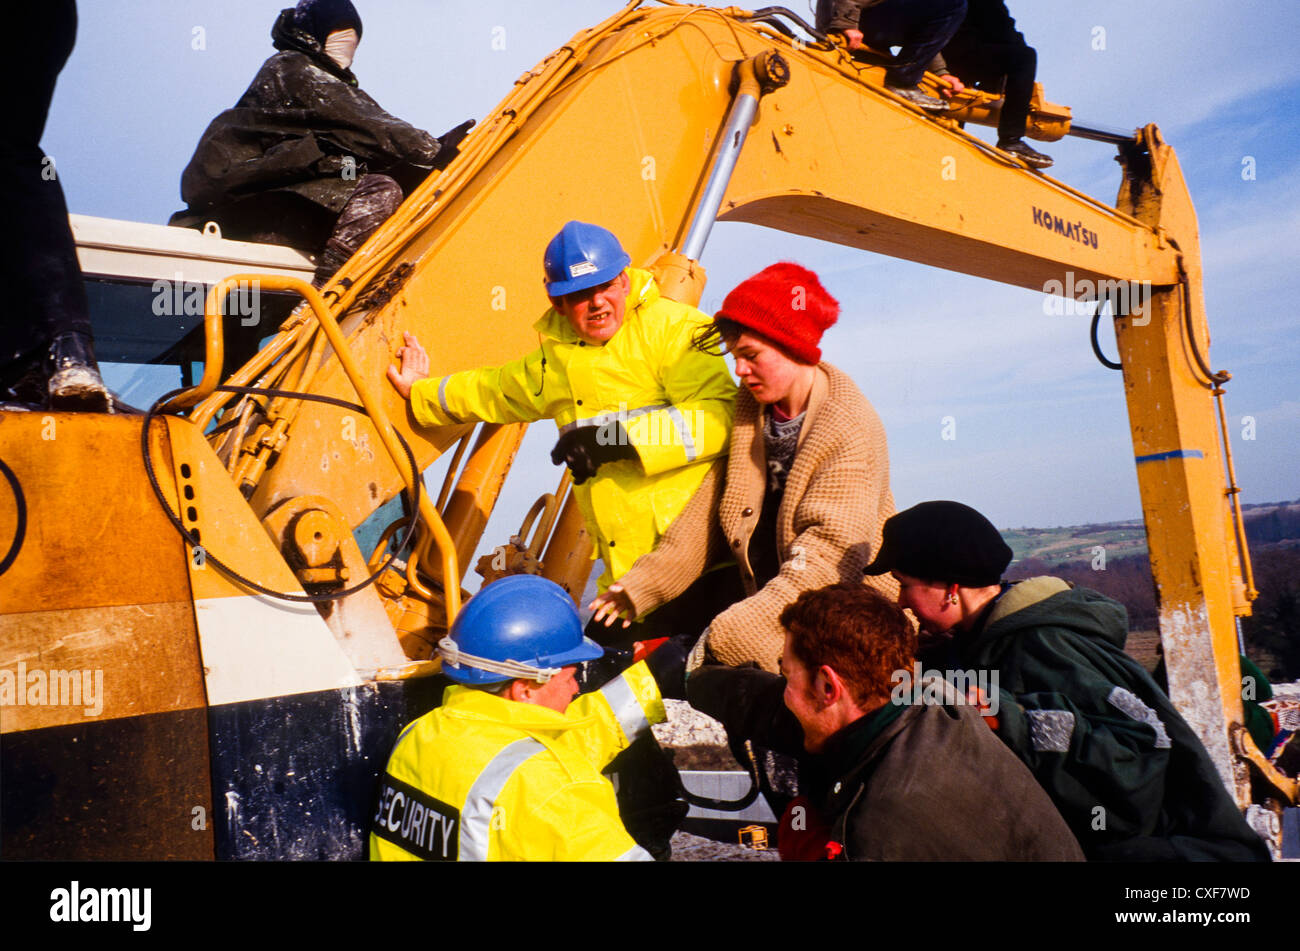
214, 355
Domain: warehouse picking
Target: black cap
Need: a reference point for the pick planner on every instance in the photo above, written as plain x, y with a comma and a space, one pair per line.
942, 541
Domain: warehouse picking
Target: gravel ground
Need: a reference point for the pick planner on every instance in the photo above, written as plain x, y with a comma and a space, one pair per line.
686, 726
694, 848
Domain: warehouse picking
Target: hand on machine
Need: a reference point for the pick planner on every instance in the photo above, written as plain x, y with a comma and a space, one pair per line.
414, 365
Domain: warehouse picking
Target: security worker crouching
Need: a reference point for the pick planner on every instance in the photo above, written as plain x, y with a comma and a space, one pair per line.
509, 767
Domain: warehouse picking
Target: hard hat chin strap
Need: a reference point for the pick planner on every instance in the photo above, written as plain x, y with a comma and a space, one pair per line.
455, 657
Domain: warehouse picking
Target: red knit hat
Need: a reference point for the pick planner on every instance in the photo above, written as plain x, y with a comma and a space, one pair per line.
787, 304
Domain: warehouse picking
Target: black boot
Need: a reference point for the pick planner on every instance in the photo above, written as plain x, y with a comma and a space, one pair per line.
26, 386
75, 384
1021, 150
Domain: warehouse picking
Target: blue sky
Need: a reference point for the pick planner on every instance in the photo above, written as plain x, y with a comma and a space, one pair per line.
1042, 432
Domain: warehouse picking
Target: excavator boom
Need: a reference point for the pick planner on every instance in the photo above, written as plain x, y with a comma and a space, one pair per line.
633, 125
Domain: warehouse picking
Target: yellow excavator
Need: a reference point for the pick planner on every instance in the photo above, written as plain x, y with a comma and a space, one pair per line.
253, 663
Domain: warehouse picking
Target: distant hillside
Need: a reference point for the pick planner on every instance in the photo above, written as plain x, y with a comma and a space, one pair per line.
1267, 523
1076, 542
1112, 558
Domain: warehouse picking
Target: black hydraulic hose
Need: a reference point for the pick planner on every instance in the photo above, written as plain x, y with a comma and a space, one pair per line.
20, 530
1096, 344
769, 15
226, 569
727, 805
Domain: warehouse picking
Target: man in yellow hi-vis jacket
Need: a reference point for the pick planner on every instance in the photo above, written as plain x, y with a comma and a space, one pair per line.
509, 767
641, 412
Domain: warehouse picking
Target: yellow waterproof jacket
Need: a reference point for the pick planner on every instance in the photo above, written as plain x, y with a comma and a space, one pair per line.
674, 402
486, 778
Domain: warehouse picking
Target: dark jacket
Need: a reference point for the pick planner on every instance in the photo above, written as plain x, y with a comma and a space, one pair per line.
978, 50
840, 15
1127, 772
293, 131
920, 783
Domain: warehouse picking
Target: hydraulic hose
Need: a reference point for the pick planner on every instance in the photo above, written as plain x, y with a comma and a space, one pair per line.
226, 569
20, 529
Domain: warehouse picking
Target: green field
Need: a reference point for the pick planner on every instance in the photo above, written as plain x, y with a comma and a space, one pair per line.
1076, 542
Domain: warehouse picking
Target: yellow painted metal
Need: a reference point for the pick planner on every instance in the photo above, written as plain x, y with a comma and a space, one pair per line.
831, 155
453, 467
377, 413
814, 165
535, 533
315, 537
117, 602
479, 487
1180, 468
679, 278
567, 559
1048, 121
1278, 782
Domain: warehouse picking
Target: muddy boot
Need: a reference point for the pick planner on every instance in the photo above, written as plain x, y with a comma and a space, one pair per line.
374, 201
23, 385
75, 384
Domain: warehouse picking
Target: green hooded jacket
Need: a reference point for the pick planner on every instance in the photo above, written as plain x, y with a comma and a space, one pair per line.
1132, 780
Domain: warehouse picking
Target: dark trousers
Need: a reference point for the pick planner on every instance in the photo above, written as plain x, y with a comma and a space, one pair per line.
999, 67
649, 788
42, 279
921, 27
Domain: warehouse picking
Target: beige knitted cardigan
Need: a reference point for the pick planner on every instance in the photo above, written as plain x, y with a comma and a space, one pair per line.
828, 526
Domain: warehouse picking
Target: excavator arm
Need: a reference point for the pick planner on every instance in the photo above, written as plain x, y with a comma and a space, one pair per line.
655, 123
624, 126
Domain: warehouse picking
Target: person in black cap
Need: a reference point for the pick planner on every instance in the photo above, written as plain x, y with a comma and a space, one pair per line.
1126, 771
305, 158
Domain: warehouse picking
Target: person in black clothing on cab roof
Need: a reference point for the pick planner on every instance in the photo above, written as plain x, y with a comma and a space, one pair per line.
305, 158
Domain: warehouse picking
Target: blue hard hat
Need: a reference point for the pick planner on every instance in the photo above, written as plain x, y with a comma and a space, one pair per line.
582, 256
518, 626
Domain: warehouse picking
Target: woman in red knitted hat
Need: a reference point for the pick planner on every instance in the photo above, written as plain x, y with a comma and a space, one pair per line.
805, 490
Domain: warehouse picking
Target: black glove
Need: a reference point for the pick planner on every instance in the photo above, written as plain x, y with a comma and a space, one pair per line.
584, 449
449, 144
667, 665
594, 674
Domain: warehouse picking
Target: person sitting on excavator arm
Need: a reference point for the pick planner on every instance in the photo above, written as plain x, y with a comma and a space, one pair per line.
641, 412
508, 767
920, 28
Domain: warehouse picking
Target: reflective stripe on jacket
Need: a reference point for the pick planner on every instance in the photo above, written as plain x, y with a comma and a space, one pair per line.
486, 778
675, 403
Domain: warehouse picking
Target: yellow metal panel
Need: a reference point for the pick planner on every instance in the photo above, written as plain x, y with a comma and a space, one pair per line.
210, 503
136, 659
95, 534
